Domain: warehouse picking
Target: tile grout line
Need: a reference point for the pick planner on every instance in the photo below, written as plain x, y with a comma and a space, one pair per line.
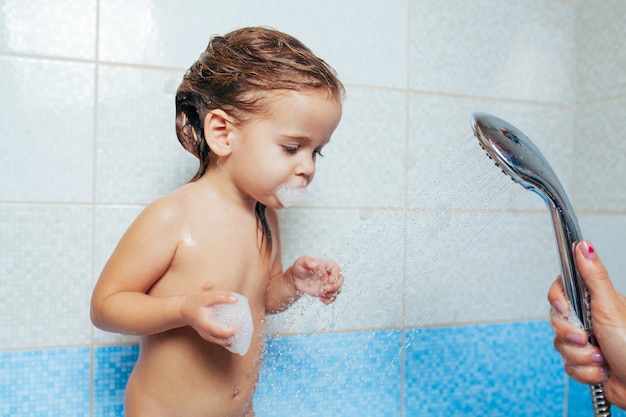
405, 221
93, 200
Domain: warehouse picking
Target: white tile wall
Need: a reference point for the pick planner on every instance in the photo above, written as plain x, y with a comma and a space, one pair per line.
448, 167
138, 155
601, 56
363, 163
600, 152
522, 50
53, 28
45, 275
366, 44
46, 126
427, 230
475, 267
369, 245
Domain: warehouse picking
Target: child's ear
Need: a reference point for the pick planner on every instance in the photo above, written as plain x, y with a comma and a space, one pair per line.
217, 131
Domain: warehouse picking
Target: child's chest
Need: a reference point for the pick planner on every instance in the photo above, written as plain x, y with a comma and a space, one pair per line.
224, 255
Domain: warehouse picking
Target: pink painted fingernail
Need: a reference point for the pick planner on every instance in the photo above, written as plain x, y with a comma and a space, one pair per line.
558, 306
577, 339
597, 358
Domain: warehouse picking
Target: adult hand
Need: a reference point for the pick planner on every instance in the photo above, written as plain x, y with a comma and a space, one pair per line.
583, 362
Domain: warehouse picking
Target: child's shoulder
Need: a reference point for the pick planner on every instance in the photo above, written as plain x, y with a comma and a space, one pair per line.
170, 208
179, 205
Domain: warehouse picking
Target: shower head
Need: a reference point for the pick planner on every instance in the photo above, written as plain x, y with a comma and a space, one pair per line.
519, 158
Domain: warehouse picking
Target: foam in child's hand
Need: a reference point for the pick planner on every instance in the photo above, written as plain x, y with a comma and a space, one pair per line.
238, 317
289, 195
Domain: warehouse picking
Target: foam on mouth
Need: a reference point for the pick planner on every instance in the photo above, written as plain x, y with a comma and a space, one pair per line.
289, 195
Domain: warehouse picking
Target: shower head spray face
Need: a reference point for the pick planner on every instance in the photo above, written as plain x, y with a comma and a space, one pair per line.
519, 158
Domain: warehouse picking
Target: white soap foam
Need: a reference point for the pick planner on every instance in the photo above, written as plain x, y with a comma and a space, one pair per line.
239, 318
289, 195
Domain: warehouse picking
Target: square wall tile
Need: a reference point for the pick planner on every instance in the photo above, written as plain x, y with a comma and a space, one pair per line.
346, 374
599, 156
369, 248
363, 163
508, 369
600, 57
59, 28
45, 275
112, 367
468, 267
139, 157
524, 50
45, 382
46, 126
347, 37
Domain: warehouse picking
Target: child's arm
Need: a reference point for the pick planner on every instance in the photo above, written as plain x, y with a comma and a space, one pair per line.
313, 276
120, 302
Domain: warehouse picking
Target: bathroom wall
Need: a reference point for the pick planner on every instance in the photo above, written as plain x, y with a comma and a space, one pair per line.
447, 262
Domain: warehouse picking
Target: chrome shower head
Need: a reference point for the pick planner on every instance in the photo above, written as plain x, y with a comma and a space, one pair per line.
519, 158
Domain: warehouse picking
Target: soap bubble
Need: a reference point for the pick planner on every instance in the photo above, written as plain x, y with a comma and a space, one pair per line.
238, 317
289, 195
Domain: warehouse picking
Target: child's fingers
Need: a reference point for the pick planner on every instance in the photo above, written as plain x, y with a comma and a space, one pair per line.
219, 297
209, 327
215, 332
222, 341
330, 291
310, 263
332, 268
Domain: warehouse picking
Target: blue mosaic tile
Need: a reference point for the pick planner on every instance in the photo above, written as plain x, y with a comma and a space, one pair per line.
112, 366
579, 401
347, 374
508, 369
41, 383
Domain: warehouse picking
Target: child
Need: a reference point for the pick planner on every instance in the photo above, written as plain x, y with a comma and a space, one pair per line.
256, 109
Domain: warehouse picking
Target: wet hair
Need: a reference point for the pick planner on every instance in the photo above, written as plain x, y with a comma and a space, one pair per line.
233, 73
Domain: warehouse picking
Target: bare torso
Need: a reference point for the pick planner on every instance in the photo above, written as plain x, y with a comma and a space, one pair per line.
178, 373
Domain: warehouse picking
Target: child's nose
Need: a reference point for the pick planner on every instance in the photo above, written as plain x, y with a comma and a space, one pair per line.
306, 167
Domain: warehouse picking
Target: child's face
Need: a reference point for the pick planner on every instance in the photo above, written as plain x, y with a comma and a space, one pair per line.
281, 148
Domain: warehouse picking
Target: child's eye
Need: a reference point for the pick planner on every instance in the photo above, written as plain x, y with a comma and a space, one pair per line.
290, 149
317, 152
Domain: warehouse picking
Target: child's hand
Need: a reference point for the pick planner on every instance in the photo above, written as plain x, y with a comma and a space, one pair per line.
317, 277
196, 313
